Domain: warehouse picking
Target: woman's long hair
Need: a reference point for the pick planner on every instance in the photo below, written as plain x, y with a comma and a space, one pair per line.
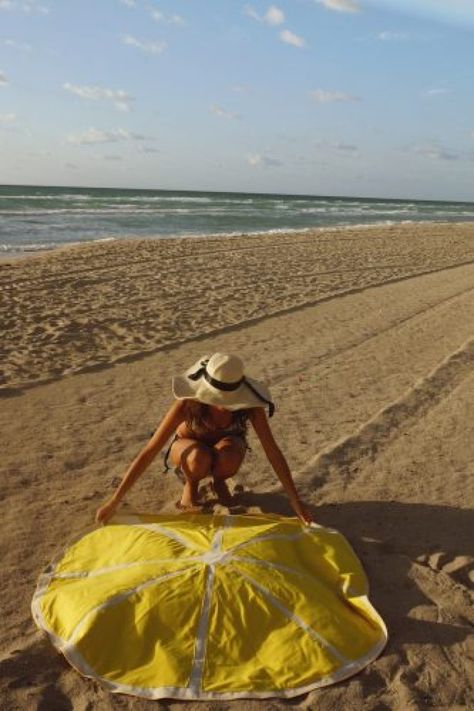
199, 419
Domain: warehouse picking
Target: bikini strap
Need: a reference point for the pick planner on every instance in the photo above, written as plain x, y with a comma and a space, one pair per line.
167, 455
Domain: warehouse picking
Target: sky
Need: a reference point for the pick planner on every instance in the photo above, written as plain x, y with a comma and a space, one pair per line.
320, 97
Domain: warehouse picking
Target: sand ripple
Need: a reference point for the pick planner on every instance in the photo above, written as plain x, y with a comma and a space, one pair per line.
86, 307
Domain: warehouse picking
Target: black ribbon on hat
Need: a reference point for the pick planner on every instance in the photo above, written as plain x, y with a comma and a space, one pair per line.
229, 387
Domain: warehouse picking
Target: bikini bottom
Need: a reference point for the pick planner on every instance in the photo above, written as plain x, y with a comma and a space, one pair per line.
178, 470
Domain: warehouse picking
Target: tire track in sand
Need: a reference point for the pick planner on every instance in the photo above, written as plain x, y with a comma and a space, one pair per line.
381, 429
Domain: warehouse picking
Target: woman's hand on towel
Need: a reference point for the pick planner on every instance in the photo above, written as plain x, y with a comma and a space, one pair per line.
301, 511
106, 511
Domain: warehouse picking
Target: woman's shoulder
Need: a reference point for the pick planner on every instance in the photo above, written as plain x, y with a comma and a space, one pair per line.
188, 403
256, 414
177, 411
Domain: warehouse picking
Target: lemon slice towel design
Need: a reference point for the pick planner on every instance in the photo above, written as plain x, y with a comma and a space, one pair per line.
210, 607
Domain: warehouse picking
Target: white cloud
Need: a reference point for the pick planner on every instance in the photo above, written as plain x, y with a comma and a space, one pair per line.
7, 118
345, 147
435, 92
94, 136
32, 8
120, 99
341, 5
129, 3
327, 97
113, 157
251, 12
169, 19
436, 152
147, 47
17, 45
274, 16
291, 38
388, 36
241, 89
219, 111
3, 79
256, 159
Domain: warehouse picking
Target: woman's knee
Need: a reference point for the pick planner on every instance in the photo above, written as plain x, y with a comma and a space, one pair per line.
196, 461
229, 454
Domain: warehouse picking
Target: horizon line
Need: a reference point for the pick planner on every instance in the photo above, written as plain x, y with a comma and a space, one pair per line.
236, 192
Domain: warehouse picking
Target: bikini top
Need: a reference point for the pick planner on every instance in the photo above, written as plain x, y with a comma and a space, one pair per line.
235, 428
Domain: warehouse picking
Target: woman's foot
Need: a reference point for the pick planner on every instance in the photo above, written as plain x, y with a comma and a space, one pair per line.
188, 509
189, 497
222, 492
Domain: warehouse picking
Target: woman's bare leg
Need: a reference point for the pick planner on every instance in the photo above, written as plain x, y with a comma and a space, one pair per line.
229, 455
195, 461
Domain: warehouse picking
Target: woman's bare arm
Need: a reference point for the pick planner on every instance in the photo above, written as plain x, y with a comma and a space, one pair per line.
167, 426
277, 459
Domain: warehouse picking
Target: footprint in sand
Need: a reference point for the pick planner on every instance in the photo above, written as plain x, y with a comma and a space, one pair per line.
460, 568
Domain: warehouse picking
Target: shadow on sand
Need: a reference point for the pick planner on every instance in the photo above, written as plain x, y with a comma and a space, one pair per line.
390, 538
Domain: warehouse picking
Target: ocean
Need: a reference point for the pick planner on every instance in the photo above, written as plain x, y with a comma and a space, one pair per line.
33, 219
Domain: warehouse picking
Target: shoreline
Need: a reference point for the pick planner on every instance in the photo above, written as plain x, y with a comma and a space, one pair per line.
32, 252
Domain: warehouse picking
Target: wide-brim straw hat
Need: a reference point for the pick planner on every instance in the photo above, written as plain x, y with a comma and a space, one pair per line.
219, 380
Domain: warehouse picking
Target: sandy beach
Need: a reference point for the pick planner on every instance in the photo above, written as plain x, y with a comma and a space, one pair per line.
366, 339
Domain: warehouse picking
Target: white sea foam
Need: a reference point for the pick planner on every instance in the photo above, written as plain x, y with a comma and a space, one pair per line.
58, 198
29, 247
33, 220
12, 248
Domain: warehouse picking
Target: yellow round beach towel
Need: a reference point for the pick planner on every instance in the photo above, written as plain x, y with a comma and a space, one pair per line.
210, 607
